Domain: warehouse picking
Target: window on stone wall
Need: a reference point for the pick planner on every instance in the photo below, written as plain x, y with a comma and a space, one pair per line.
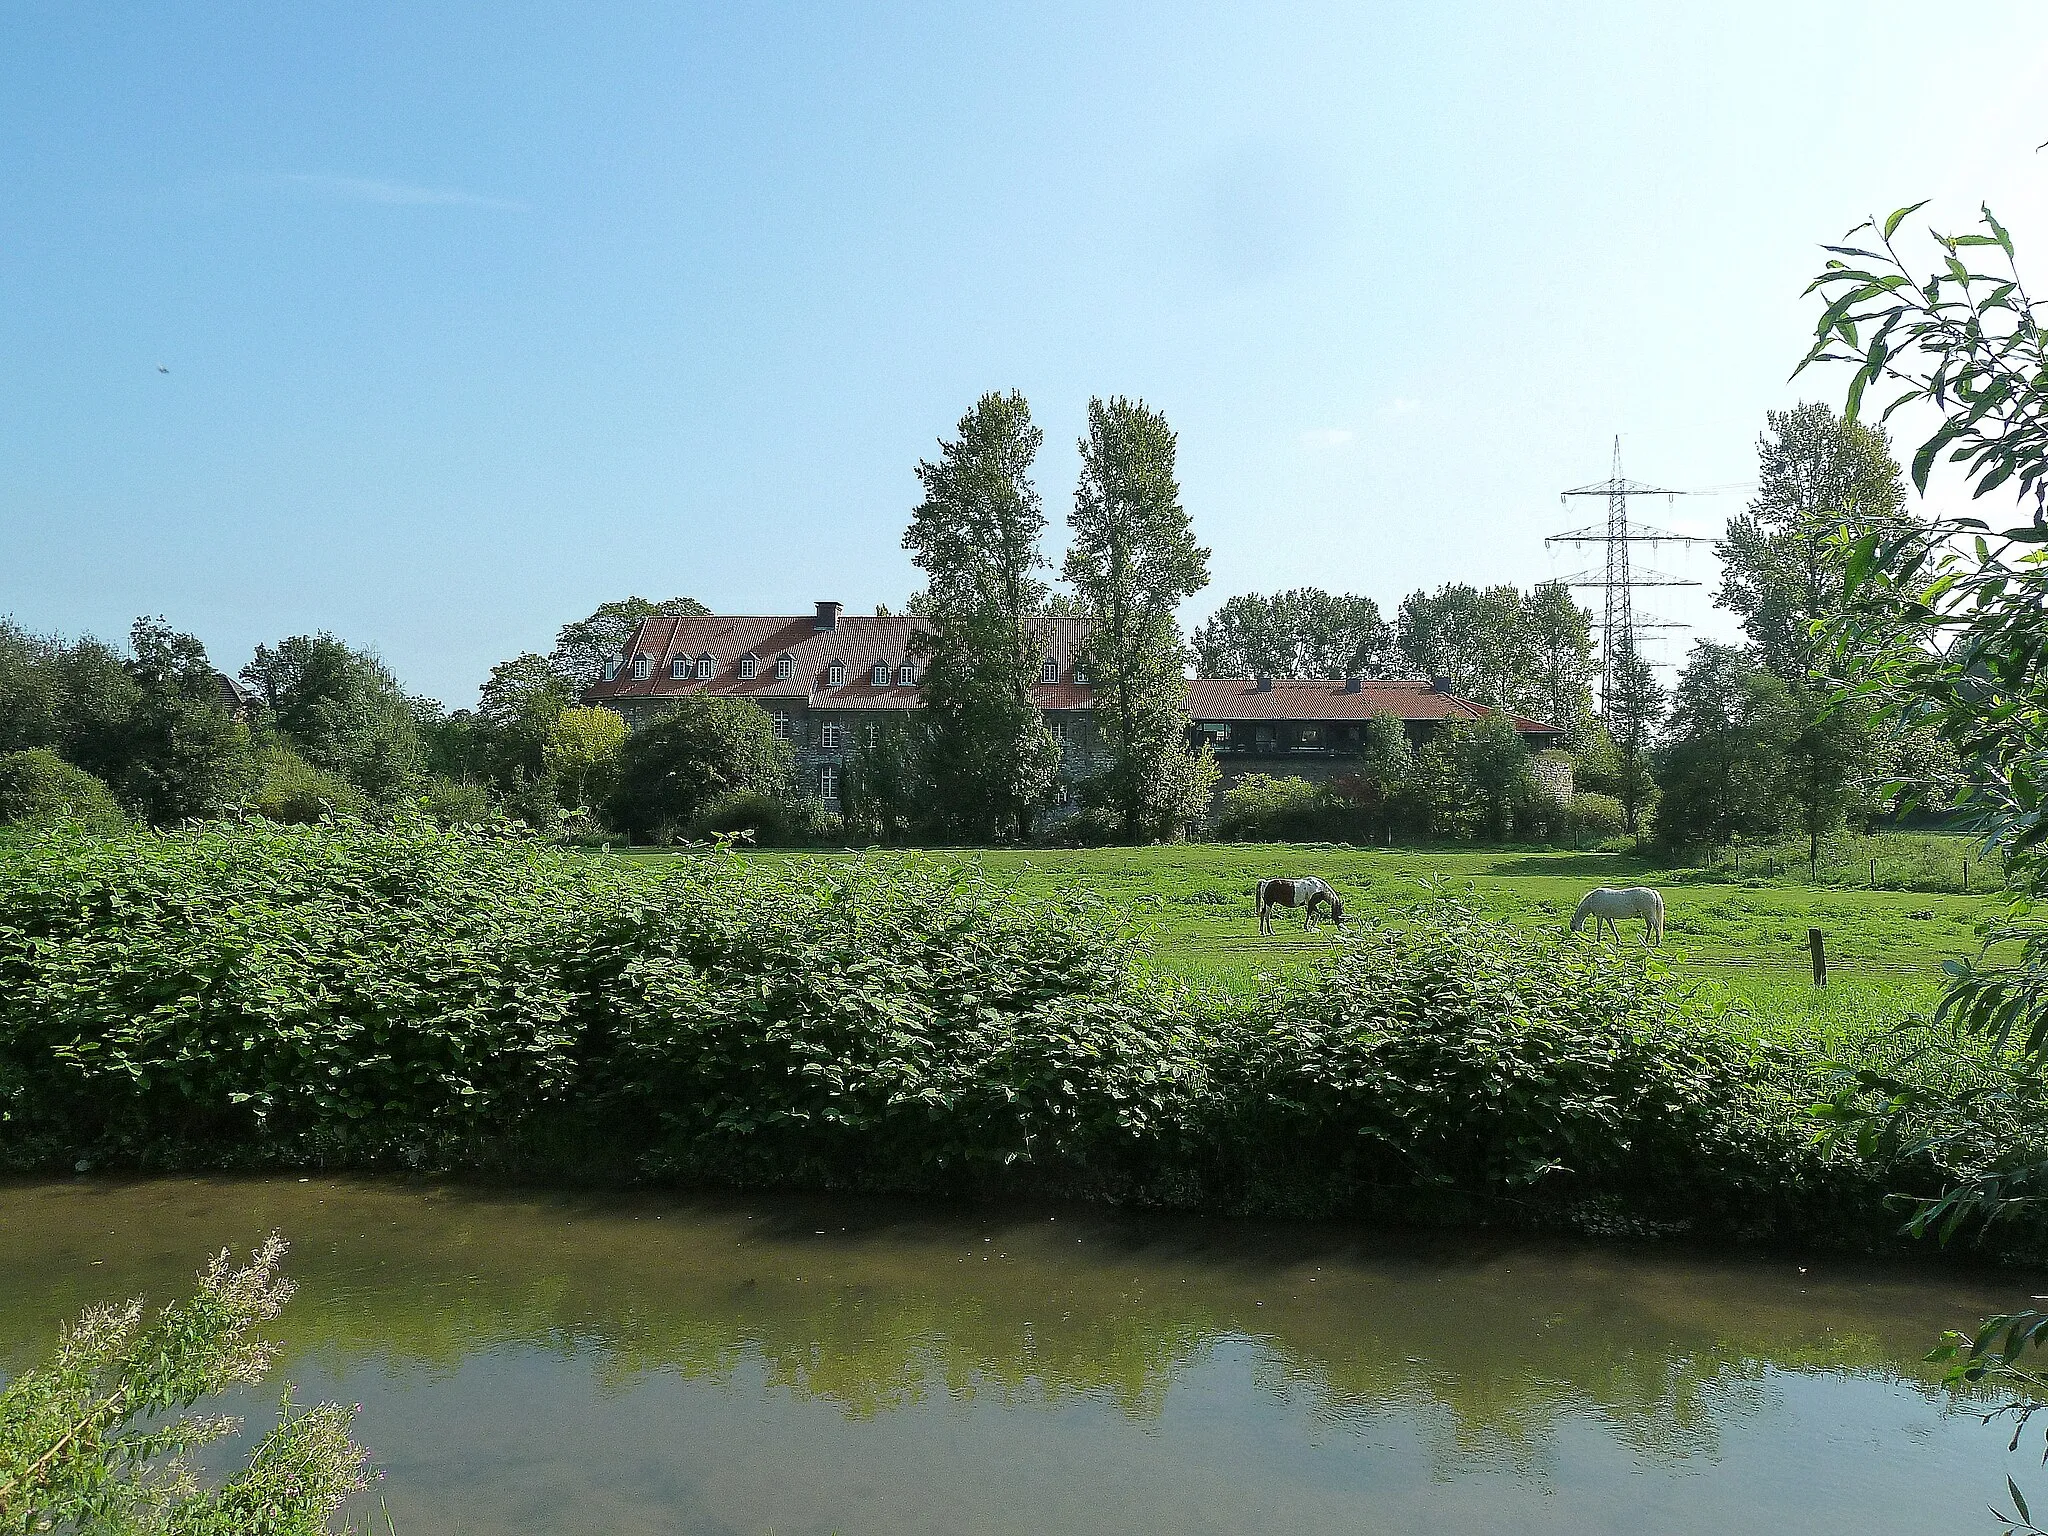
828, 784
832, 737
781, 726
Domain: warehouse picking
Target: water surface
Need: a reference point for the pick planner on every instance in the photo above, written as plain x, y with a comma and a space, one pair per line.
561, 1364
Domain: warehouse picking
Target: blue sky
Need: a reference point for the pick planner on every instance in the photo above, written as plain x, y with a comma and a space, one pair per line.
478, 316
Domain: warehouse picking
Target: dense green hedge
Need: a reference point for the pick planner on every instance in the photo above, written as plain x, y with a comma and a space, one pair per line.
340, 996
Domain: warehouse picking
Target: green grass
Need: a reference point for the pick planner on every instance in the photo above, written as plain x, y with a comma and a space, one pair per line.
1743, 937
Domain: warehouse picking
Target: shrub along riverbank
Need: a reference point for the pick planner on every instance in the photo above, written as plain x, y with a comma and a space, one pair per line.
406, 998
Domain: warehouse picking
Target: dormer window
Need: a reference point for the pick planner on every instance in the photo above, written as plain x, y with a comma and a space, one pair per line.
785, 666
906, 676
679, 668
643, 668
706, 665
750, 668
1049, 671
611, 668
835, 675
1080, 676
880, 676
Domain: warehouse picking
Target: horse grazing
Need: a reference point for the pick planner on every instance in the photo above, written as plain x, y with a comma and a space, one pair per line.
1606, 904
1307, 894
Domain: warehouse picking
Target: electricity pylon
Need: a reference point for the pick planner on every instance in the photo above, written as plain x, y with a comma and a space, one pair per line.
1619, 580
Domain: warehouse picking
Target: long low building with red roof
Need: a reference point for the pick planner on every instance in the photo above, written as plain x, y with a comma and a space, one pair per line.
826, 678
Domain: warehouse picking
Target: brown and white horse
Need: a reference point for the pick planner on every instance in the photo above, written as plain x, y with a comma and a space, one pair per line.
1307, 894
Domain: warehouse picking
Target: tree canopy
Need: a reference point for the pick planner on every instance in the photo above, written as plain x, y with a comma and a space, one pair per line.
1132, 559
975, 535
1306, 632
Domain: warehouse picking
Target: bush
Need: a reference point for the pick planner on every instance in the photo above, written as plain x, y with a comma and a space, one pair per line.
459, 803
1598, 816
85, 1437
292, 790
343, 995
1091, 826
671, 771
1262, 809
1461, 1070
38, 788
767, 817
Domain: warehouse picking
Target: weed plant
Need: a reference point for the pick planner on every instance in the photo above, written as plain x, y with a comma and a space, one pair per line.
407, 997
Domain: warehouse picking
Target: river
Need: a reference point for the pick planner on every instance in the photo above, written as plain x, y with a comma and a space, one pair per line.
563, 1363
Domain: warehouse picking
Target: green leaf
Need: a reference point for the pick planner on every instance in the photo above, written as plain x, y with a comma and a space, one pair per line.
1899, 216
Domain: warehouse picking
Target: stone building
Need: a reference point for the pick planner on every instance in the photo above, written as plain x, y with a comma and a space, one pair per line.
823, 678
1308, 728
826, 677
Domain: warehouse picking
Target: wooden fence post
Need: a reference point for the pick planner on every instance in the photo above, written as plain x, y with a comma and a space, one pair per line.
1966, 877
1820, 957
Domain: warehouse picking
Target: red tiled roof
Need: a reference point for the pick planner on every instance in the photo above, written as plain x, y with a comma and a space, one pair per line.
857, 644
1290, 698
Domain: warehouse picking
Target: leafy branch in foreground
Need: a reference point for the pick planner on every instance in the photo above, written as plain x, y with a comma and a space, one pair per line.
84, 1445
1955, 610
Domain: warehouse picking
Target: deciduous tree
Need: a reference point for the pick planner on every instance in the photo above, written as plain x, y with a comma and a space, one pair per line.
1822, 483
1306, 632
1133, 558
183, 755
582, 752
582, 648
1723, 761
343, 711
975, 536
1634, 709
708, 747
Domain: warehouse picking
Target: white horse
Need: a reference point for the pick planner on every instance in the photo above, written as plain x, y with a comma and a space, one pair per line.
1309, 894
1607, 904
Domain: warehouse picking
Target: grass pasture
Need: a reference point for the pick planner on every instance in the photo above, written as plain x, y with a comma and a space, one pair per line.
1746, 938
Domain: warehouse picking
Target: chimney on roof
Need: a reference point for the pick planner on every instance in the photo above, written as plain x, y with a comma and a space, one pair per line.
1263, 682
828, 617
1354, 684
1439, 684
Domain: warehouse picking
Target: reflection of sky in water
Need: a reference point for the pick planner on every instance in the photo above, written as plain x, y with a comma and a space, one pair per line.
575, 1365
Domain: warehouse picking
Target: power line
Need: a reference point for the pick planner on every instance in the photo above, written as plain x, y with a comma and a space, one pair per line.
1618, 581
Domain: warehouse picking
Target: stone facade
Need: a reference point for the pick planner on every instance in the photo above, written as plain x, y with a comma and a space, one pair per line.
827, 680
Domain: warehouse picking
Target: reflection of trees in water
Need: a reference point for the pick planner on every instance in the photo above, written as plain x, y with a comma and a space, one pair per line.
1486, 1349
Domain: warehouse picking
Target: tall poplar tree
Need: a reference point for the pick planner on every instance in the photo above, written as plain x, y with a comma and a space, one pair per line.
989, 755
1132, 560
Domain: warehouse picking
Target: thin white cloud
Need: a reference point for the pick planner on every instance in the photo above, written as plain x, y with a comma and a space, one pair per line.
1401, 405
1328, 437
365, 189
